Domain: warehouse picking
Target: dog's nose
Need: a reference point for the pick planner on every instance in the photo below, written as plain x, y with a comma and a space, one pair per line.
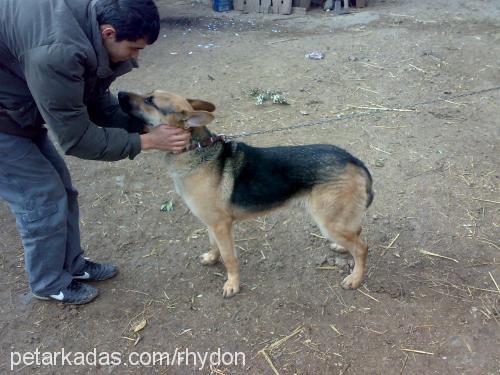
122, 95
123, 99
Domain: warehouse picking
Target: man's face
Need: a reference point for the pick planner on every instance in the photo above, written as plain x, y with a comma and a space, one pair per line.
123, 50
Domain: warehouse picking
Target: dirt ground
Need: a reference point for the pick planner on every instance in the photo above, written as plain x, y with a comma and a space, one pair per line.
436, 176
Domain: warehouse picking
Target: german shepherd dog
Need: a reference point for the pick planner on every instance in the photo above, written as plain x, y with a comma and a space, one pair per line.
222, 182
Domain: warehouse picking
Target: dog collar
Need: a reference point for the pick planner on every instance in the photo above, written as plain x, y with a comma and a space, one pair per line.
206, 142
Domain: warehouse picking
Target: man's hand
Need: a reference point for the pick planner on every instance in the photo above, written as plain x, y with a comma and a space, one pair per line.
165, 138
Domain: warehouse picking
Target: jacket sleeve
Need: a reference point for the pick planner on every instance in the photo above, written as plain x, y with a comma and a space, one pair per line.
55, 76
105, 111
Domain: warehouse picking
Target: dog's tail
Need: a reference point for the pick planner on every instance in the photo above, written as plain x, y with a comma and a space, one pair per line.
369, 188
369, 182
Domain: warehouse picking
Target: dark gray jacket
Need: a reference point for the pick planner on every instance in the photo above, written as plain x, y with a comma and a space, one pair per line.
54, 69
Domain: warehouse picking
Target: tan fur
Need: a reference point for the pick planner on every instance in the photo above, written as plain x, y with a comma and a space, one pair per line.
337, 208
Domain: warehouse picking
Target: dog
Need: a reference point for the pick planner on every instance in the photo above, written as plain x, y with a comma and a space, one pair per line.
223, 182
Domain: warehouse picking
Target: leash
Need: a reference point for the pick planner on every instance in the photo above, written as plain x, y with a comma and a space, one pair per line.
339, 117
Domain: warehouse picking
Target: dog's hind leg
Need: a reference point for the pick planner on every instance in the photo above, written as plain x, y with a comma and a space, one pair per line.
359, 251
213, 255
222, 233
338, 211
348, 239
337, 248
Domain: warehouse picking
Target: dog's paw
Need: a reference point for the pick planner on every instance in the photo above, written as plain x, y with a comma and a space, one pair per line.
209, 258
337, 248
230, 289
351, 282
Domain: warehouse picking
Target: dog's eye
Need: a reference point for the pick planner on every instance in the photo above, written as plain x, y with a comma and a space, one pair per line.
149, 100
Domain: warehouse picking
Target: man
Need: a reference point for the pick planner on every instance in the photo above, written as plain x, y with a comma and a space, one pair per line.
57, 61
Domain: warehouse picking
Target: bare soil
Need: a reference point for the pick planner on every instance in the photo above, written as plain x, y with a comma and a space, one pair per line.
436, 177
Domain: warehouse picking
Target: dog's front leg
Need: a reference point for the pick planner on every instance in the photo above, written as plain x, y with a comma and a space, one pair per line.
224, 238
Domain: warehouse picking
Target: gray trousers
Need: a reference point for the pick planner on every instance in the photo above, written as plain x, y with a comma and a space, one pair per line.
35, 182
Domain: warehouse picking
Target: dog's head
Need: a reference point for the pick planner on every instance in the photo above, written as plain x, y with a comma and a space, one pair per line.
164, 108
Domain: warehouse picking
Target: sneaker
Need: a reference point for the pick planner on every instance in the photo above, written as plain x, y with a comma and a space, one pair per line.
96, 271
75, 293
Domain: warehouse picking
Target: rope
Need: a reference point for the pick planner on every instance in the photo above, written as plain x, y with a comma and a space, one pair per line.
411, 107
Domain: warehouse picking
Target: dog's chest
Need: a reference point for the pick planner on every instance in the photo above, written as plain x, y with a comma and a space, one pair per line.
183, 190
198, 191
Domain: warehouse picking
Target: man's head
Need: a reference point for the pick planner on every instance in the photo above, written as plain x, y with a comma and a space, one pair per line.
127, 26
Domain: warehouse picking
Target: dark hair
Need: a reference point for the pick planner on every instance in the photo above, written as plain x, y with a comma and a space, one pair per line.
132, 19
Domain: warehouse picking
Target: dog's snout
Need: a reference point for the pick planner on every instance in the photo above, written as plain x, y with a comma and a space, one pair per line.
124, 100
122, 95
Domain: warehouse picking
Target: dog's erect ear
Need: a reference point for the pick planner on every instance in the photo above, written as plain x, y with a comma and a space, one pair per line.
198, 118
201, 105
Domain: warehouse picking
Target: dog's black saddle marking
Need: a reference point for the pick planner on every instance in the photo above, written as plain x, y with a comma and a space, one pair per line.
266, 177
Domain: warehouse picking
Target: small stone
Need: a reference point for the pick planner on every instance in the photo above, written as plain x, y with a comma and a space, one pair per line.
340, 261
331, 261
320, 259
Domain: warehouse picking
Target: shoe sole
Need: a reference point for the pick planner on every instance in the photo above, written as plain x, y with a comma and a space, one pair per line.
90, 299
